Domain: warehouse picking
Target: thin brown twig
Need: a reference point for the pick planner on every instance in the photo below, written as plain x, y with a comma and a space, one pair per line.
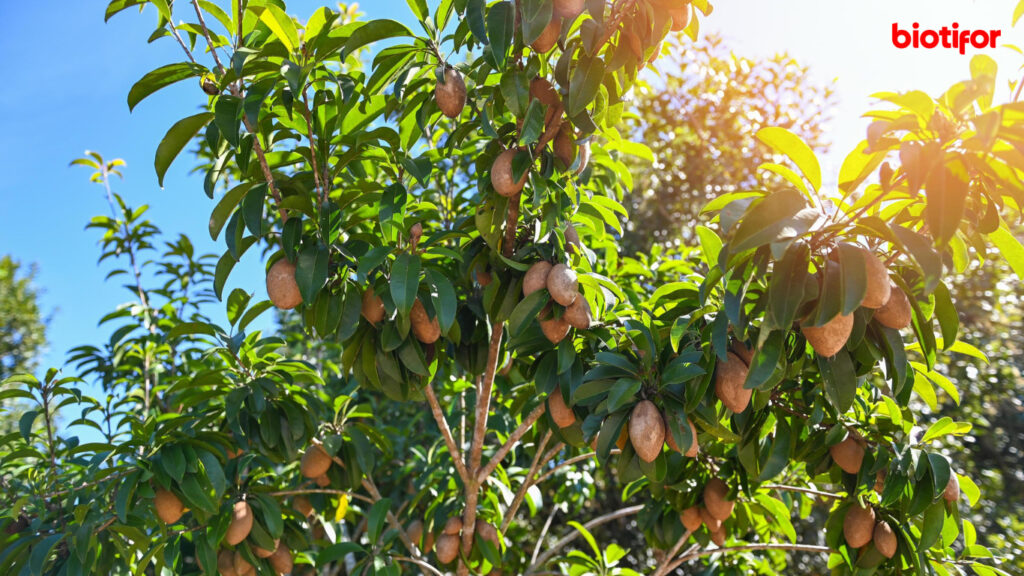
519, 432
206, 34
335, 491
419, 563
664, 568
527, 482
550, 552
810, 491
570, 462
442, 424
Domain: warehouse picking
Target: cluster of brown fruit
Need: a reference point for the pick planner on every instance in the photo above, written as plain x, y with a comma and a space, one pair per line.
715, 510
169, 509
566, 10
315, 464
448, 544
649, 433
892, 309
562, 284
424, 328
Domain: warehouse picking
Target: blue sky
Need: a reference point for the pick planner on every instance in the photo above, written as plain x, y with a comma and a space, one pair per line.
67, 75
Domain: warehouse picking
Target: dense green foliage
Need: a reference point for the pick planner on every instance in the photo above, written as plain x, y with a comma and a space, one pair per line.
22, 331
418, 391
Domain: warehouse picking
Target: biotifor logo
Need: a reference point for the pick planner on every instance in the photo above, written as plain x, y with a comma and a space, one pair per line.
947, 37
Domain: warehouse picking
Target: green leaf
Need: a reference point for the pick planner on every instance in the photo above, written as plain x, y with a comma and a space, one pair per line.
946, 192
763, 222
853, 272
840, 380
475, 16
945, 311
311, 271
41, 553
225, 207
176, 139
789, 144
500, 29
25, 423
373, 31
161, 78
405, 281
237, 302
623, 393
787, 285
445, 301
585, 84
1011, 249
376, 518
526, 311
228, 117
336, 552
931, 527
710, 245
279, 23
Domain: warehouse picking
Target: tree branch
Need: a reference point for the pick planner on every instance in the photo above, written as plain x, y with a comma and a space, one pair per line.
512, 440
442, 423
811, 491
527, 482
620, 513
664, 568
206, 34
574, 460
746, 548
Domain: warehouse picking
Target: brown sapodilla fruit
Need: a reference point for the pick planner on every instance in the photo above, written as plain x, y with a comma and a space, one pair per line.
880, 481
560, 412
226, 563
729, 379
848, 454
242, 566
373, 307
447, 548
415, 531
488, 532
879, 286
281, 560
501, 175
716, 494
315, 462
584, 150
542, 90
168, 506
829, 339
952, 491
263, 552
568, 8
451, 94
426, 329
549, 37
536, 277
620, 442
745, 352
690, 517
859, 525
718, 537
281, 286
680, 18
565, 146
563, 285
885, 539
694, 448
896, 313
646, 430
577, 314
241, 523
713, 524
572, 236
323, 480
453, 525
553, 328
303, 506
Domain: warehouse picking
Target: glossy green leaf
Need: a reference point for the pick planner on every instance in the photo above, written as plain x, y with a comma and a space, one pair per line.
161, 78
789, 144
176, 139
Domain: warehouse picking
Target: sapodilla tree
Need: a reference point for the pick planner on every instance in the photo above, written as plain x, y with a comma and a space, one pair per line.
363, 181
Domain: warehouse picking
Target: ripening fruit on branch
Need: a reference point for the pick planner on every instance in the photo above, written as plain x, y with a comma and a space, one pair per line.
716, 499
879, 286
453, 525
828, 339
263, 552
718, 537
690, 517
447, 546
562, 415
501, 175
713, 524
281, 286
859, 525
168, 506
315, 462
450, 93
373, 307
226, 563
536, 277
745, 352
568, 8
572, 237
952, 491
281, 560
729, 379
241, 523
563, 285
549, 37
554, 328
488, 533
541, 89
646, 430
577, 314
426, 329
242, 566
848, 454
680, 18
896, 313
694, 448
415, 531
303, 506
885, 539
323, 480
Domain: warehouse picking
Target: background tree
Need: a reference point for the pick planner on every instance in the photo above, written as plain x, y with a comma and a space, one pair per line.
700, 118
22, 331
468, 353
